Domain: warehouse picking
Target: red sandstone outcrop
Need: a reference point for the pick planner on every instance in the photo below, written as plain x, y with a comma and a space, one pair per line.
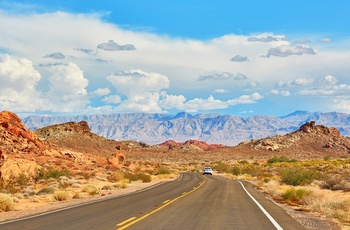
11, 124
194, 144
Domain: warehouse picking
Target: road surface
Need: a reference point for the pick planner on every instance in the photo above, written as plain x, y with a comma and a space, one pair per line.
192, 202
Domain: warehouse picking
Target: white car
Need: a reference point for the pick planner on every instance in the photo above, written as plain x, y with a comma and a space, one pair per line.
207, 170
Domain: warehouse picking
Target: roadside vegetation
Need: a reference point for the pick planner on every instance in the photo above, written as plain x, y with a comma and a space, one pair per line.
62, 183
319, 186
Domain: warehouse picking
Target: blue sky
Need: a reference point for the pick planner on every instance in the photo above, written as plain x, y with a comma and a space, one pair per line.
230, 57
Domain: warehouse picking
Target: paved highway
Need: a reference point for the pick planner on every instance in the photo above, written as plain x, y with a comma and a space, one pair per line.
191, 202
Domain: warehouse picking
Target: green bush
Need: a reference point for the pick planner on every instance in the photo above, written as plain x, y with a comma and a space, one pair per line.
163, 170
280, 159
296, 195
138, 176
6, 203
298, 176
52, 173
236, 170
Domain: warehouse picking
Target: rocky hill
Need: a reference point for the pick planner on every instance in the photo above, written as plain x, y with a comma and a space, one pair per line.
309, 141
211, 128
24, 152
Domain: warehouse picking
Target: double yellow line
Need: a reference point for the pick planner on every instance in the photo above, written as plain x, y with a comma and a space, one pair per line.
133, 220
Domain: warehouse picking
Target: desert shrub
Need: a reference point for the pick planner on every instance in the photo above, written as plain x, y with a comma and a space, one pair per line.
251, 170
163, 170
244, 162
52, 173
121, 185
91, 189
22, 180
298, 176
222, 167
138, 176
236, 170
280, 159
61, 195
6, 203
334, 182
47, 190
296, 195
116, 176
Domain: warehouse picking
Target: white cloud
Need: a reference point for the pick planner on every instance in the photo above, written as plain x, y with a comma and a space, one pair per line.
223, 76
67, 85
267, 38
18, 85
287, 50
100, 92
284, 93
327, 86
293, 83
180, 60
221, 91
112, 99
112, 46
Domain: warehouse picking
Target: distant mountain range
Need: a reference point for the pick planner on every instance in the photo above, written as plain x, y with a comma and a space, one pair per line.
211, 128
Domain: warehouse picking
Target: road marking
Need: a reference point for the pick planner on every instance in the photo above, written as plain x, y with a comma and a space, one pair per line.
262, 209
166, 201
126, 221
161, 207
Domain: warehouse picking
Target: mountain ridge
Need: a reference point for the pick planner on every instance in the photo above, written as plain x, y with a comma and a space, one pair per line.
211, 128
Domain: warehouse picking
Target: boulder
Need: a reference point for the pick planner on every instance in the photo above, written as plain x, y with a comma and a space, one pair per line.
14, 167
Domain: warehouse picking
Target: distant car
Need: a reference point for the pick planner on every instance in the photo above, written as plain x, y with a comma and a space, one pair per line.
207, 170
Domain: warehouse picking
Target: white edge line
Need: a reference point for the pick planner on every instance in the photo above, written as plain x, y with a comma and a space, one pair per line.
87, 203
273, 221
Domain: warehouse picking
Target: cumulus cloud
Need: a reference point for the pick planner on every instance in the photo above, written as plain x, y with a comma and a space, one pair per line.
142, 89
67, 88
239, 58
284, 93
267, 39
287, 50
100, 92
327, 86
112, 46
211, 103
18, 81
223, 76
55, 56
112, 99
221, 91
293, 83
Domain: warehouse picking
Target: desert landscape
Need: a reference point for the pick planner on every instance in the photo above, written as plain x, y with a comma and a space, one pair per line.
307, 171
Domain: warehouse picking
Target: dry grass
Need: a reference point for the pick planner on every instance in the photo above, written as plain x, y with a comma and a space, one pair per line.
61, 195
6, 203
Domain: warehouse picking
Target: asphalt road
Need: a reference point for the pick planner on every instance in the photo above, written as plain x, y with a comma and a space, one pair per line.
191, 202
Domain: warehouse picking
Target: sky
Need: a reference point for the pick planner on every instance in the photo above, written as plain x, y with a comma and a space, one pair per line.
242, 57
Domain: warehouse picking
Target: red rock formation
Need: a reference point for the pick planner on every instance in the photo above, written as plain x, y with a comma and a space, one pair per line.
201, 144
13, 125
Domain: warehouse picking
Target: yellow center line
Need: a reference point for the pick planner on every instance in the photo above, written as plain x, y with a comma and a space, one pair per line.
166, 201
161, 207
126, 221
